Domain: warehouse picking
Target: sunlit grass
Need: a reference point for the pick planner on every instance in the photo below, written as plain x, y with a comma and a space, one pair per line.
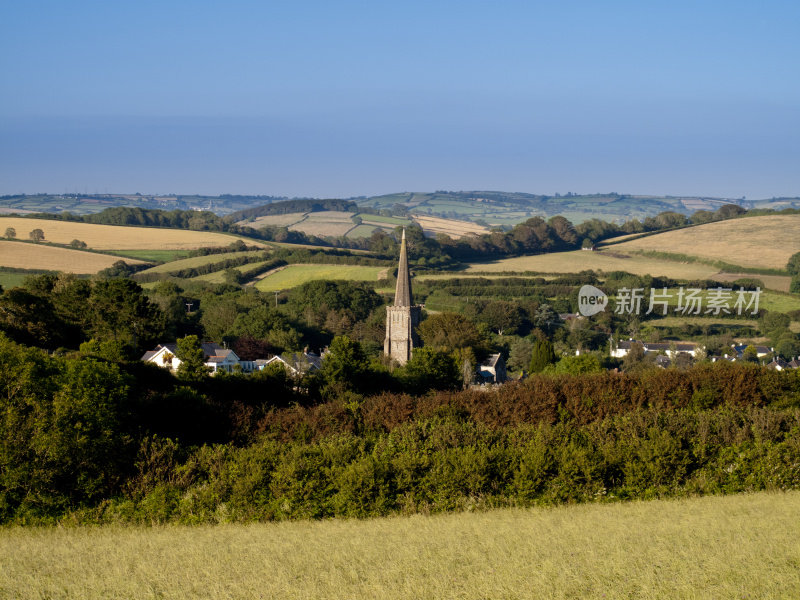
745, 546
294, 275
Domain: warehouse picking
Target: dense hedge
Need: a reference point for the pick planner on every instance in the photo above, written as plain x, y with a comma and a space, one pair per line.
449, 462
90, 440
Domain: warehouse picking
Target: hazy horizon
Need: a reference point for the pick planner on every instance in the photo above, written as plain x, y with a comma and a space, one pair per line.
354, 99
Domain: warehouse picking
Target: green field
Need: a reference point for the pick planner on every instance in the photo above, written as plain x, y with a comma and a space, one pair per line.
294, 275
199, 261
151, 255
745, 546
362, 231
10, 279
768, 300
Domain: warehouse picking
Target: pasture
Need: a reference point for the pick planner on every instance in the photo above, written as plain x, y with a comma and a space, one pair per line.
753, 242
54, 258
744, 546
199, 261
294, 275
113, 237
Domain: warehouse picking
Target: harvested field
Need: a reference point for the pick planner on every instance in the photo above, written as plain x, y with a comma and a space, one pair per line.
20, 255
327, 223
754, 242
780, 283
579, 260
275, 220
112, 237
451, 227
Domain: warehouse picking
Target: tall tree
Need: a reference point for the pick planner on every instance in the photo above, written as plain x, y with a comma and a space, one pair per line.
190, 352
543, 355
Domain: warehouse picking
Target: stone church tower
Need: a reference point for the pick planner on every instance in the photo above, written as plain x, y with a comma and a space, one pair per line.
402, 319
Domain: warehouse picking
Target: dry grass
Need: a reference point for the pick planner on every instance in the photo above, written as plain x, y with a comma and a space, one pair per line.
294, 275
759, 242
451, 227
111, 237
326, 223
38, 256
276, 220
579, 260
780, 283
744, 546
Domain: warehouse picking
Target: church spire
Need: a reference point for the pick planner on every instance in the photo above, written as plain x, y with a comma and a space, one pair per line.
402, 295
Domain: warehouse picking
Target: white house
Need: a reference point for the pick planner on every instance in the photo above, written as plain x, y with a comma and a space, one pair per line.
669, 348
216, 357
296, 364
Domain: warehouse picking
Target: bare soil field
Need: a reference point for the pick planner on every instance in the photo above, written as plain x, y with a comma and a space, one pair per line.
39, 256
112, 237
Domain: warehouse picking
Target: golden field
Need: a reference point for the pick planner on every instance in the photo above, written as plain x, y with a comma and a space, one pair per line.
283, 220
451, 227
53, 258
745, 546
604, 260
759, 242
112, 237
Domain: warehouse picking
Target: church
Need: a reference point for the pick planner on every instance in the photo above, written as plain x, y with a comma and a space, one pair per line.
402, 319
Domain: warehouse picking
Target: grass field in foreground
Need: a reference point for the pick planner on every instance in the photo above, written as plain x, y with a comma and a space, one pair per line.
745, 546
41, 256
295, 275
112, 237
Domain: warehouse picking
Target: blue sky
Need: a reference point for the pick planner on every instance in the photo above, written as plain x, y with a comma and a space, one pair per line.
359, 98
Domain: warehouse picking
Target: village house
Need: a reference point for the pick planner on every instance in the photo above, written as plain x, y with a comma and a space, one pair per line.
216, 358
493, 370
671, 349
295, 364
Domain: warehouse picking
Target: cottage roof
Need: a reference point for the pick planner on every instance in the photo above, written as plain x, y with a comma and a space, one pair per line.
492, 361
